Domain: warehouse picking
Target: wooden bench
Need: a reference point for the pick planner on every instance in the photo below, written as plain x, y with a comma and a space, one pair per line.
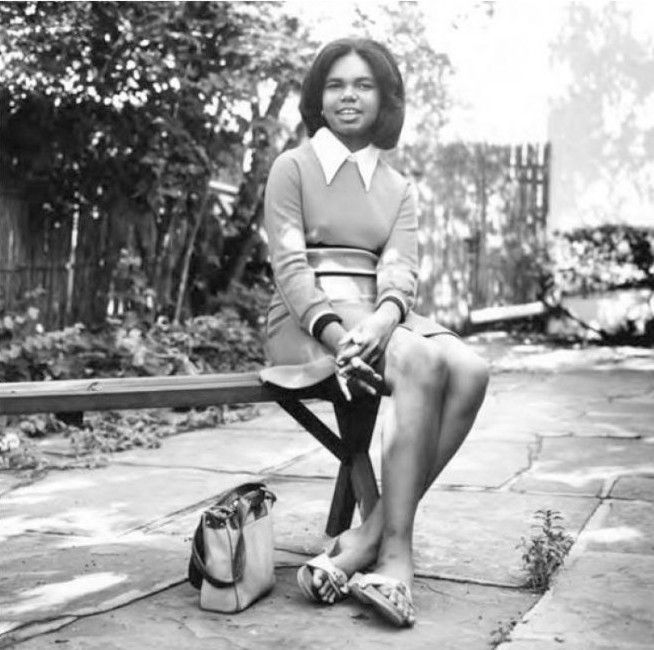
355, 484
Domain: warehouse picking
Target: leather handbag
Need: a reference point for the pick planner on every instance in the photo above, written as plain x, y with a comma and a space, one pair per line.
232, 556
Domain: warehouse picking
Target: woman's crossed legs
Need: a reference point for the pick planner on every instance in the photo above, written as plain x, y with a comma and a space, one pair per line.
437, 387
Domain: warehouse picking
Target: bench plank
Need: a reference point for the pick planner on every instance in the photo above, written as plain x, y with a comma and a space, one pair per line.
176, 391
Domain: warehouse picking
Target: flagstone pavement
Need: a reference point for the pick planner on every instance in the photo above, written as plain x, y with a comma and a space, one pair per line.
97, 558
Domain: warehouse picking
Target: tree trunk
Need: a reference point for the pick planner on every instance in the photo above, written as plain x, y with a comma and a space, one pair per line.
250, 198
188, 254
248, 241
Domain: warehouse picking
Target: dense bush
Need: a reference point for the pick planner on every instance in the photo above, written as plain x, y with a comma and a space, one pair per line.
598, 259
591, 261
219, 343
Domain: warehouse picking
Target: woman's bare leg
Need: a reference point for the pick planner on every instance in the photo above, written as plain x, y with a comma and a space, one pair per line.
438, 386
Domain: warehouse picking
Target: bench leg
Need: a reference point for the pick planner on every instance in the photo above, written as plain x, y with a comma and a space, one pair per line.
355, 484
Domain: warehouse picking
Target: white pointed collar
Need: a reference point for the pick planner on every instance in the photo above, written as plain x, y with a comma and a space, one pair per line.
332, 153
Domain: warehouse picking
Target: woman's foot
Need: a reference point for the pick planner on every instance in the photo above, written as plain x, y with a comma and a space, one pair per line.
352, 551
397, 590
388, 589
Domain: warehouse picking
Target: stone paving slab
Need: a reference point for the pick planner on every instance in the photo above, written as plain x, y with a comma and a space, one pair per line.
220, 449
10, 481
86, 578
634, 487
559, 643
518, 414
451, 616
104, 501
272, 417
560, 361
621, 527
600, 600
585, 465
457, 534
480, 463
470, 535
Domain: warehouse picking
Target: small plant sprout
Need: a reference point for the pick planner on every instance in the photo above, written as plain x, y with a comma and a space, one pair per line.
545, 551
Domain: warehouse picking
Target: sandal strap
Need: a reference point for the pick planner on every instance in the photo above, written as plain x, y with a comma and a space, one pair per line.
337, 577
378, 580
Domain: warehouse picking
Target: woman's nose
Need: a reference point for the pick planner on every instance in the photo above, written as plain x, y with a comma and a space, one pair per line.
348, 93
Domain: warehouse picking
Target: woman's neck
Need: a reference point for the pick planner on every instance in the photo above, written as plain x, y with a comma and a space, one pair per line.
354, 144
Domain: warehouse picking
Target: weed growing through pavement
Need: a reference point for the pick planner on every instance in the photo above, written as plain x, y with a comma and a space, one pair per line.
545, 551
502, 632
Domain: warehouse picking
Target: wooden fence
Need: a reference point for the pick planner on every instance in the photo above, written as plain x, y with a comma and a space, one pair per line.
483, 215
34, 262
483, 229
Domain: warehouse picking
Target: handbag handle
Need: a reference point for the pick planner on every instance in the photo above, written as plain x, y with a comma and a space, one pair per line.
225, 499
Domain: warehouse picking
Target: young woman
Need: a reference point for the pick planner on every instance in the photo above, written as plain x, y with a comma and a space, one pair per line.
342, 229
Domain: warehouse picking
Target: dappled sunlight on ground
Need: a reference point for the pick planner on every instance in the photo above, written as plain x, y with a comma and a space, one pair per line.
39, 492
13, 526
613, 535
585, 476
97, 523
536, 353
47, 596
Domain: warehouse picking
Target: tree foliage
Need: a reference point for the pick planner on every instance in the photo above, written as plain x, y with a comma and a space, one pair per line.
124, 111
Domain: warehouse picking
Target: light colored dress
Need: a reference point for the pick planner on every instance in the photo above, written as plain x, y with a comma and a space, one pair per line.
342, 233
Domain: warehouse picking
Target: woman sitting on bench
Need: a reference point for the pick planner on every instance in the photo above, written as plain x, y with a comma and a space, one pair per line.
342, 227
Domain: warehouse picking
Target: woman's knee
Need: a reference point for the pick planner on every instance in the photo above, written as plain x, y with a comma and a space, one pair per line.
472, 370
415, 361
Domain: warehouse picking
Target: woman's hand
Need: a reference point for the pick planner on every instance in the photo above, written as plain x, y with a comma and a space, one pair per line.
356, 373
363, 346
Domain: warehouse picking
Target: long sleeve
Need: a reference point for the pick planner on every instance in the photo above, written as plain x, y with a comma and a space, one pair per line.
294, 278
397, 270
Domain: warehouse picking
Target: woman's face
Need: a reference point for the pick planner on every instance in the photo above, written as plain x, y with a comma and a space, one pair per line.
350, 101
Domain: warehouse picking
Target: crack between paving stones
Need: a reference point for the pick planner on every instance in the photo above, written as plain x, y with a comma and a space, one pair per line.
535, 449
45, 626
273, 469
15, 635
56, 533
516, 622
210, 470
475, 583
469, 581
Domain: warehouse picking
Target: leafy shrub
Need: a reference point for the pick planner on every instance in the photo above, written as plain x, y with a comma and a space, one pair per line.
218, 343
18, 452
596, 259
250, 303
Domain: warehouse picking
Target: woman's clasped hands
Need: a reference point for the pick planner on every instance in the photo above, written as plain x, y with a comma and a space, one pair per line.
359, 351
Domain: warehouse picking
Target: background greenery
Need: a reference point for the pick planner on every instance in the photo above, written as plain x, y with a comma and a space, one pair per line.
125, 114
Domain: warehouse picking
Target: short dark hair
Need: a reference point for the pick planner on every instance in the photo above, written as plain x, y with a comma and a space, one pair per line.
387, 128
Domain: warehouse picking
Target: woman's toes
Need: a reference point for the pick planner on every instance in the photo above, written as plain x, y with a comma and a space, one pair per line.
318, 578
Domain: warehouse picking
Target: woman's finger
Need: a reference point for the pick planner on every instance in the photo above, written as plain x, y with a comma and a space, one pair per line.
346, 354
361, 366
365, 386
341, 379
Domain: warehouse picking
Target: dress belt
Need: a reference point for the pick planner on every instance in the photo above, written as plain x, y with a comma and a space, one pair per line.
342, 261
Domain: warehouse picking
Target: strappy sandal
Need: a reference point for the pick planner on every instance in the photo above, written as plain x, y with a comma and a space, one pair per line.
335, 576
365, 588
